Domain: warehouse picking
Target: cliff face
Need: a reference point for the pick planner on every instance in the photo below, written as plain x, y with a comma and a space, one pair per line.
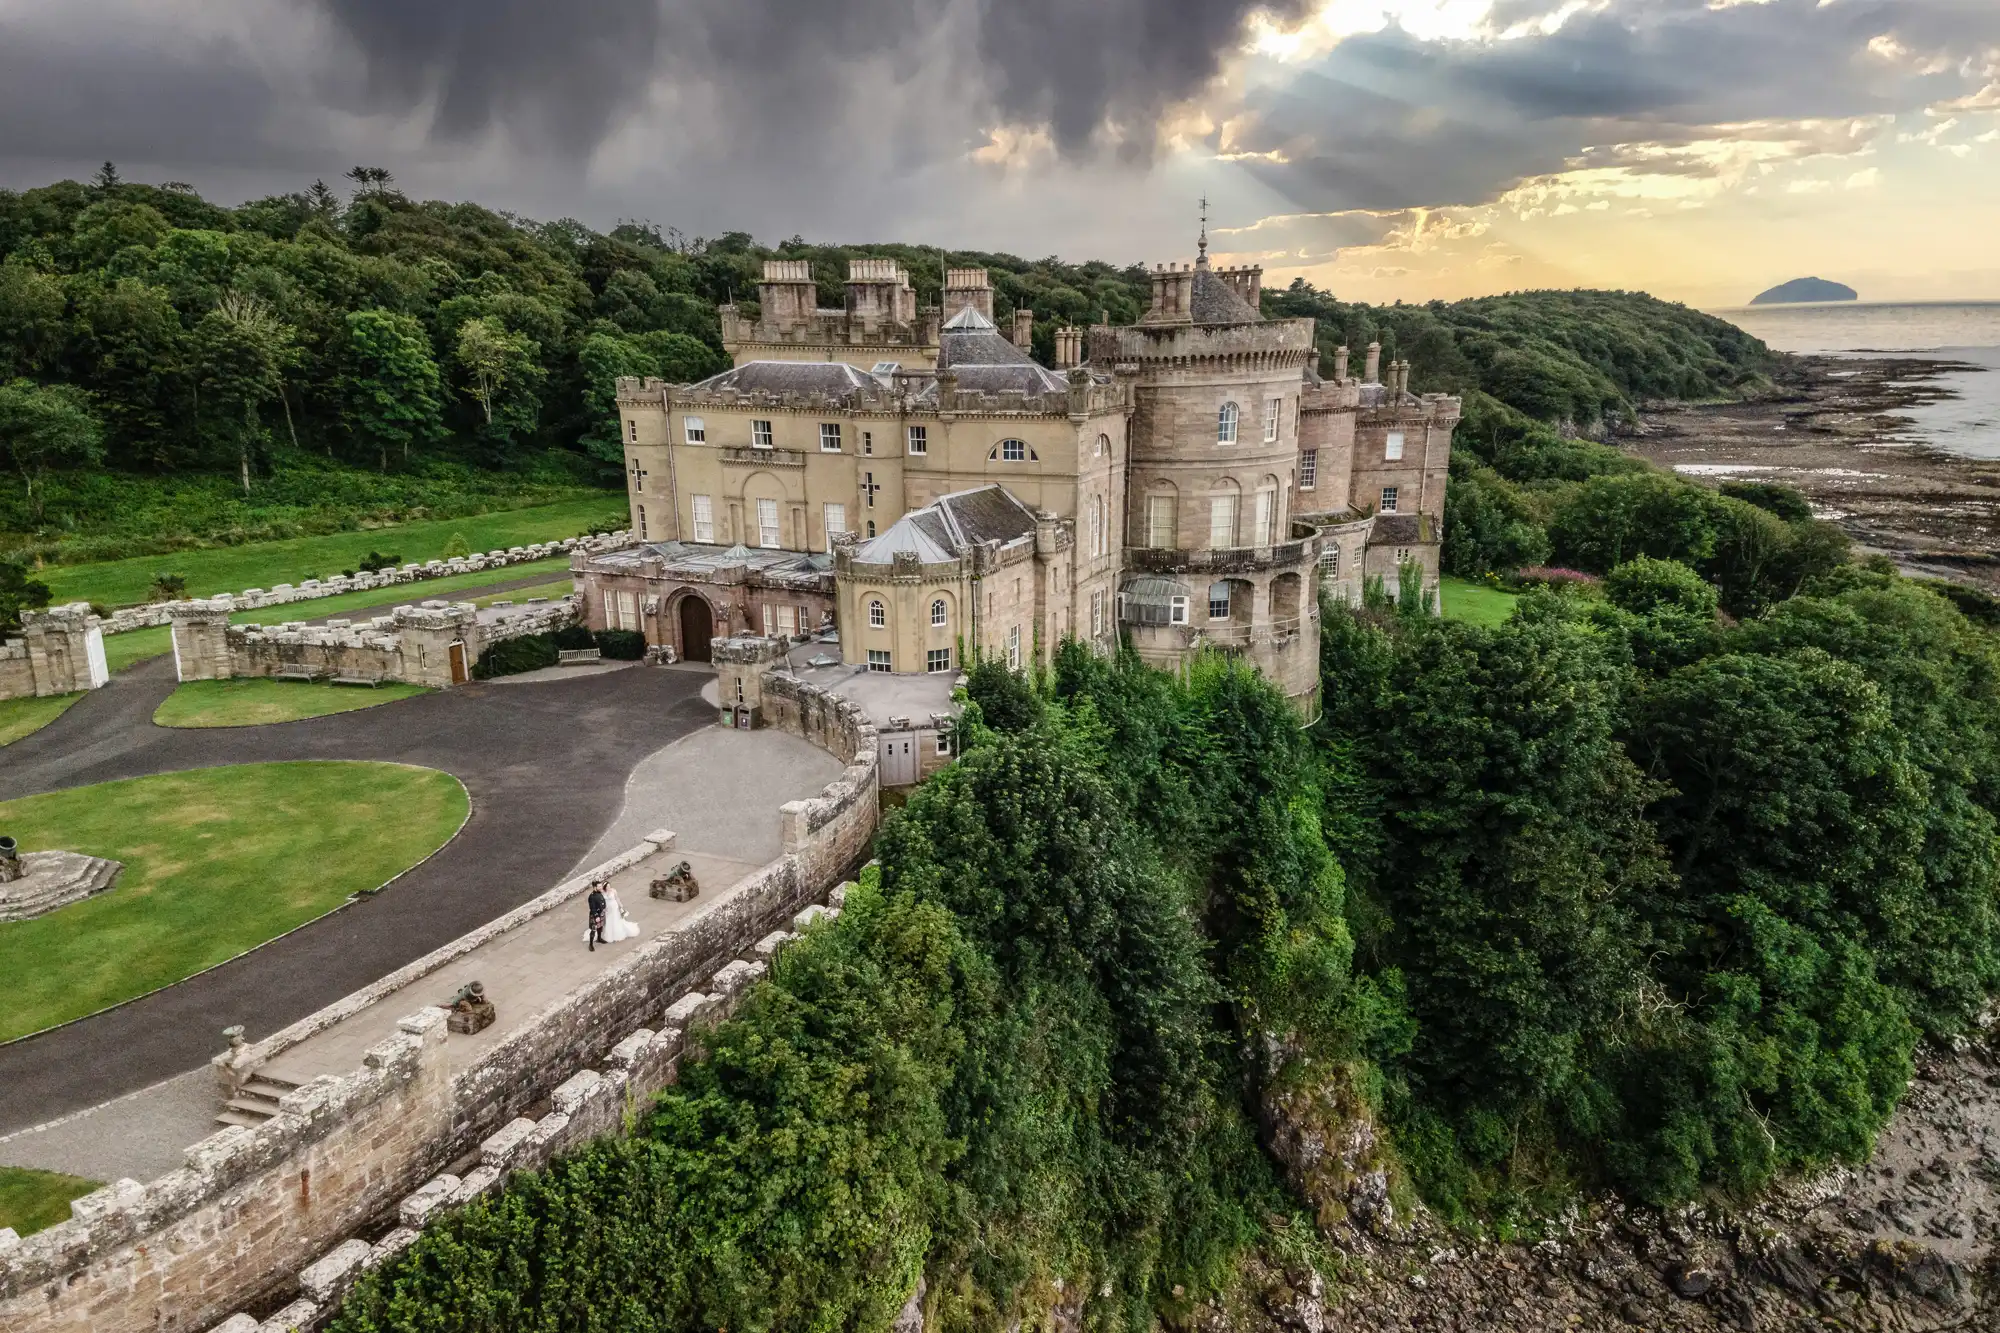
1904, 1242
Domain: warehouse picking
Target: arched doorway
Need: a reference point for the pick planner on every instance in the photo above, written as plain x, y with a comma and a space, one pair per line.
697, 628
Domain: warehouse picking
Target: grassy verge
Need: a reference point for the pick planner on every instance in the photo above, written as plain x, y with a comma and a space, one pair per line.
22, 717
265, 564
1475, 602
31, 1200
559, 588
217, 861
257, 702
136, 646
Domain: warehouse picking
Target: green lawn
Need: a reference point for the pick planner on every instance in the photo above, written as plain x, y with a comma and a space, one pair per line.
1475, 602
265, 564
217, 861
255, 701
135, 646
32, 1200
21, 717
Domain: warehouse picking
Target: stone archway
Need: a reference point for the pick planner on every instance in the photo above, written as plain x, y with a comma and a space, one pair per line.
697, 628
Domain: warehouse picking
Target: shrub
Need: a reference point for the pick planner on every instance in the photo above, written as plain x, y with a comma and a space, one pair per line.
510, 657
570, 638
457, 548
168, 588
1644, 585
375, 561
621, 645
1552, 576
19, 593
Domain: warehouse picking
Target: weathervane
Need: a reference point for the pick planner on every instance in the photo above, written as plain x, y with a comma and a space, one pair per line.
1204, 226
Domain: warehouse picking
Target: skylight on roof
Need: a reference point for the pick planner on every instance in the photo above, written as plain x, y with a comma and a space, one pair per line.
886, 367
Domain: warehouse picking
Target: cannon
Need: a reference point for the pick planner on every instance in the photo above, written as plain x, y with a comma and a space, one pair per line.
677, 885
469, 1011
10, 860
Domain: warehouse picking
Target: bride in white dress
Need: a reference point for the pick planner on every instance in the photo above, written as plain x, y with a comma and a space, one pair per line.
617, 926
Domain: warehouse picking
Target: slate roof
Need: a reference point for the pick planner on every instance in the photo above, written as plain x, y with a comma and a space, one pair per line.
950, 525
1214, 301
1399, 530
829, 377
972, 347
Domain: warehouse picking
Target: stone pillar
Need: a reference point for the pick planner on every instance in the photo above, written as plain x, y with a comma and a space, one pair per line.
439, 643
201, 639
65, 649
740, 666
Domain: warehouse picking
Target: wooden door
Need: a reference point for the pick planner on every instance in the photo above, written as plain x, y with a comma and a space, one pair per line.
459, 674
697, 628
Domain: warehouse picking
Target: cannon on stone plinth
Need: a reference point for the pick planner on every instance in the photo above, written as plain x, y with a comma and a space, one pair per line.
469, 1011
677, 885
10, 860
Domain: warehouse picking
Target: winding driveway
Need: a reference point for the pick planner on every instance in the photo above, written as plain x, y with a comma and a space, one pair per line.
545, 764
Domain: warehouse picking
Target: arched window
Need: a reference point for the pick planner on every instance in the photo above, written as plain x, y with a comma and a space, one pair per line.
878, 614
937, 613
1225, 424
1103, 445
1013, 451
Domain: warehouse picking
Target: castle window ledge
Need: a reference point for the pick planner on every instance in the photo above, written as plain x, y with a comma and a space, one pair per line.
751, 456
1225, 635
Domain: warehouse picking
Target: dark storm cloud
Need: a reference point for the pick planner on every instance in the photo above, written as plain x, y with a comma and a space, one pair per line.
1386, 121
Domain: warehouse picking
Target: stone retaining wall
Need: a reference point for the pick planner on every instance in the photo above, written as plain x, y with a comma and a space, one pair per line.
244, 1220
251, 599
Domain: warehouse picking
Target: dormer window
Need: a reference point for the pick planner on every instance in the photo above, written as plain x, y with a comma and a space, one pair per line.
886, 367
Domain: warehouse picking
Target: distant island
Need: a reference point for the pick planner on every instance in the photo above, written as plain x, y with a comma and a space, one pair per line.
1806, 289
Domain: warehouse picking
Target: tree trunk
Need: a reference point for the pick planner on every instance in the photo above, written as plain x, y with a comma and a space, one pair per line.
243, 463
289, 429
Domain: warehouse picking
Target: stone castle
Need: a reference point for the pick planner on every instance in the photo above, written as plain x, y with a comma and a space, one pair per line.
915, 479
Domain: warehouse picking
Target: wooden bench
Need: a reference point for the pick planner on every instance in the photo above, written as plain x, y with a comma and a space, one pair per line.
306, 674
369, 681
578, 656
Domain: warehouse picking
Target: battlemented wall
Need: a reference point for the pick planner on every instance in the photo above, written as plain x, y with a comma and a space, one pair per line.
271, 1213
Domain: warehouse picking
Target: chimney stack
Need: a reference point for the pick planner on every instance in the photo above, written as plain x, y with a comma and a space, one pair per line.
1024, 329
1340, 365
1372, 369
967, 287
1069, 347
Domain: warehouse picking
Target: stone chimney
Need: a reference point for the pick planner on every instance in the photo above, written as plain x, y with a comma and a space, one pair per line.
879, 293
1173, 295
1069, 347
1340, 365
1024, 329
1372, 368
788, 294
967, 287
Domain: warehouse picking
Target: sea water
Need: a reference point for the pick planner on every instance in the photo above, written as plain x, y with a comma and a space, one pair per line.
1965, 422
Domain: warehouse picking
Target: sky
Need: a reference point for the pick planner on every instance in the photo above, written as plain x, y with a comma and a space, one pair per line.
1383, 149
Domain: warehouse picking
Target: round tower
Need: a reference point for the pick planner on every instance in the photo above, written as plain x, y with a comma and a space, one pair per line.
1213, 555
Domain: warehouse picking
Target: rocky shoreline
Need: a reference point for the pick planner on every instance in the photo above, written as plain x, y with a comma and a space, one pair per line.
1903, 1242
1835, 428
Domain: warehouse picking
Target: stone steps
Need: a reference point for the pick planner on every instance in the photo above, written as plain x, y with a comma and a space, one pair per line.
255, 1102
52, 880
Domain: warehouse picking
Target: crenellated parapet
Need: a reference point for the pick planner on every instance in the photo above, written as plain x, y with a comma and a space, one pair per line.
1270, 345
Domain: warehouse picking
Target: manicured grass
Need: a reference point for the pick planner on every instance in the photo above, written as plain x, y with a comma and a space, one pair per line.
1475, 602
217, 861
263, 564
22, 717
257, 702
135, 646
31, 1200
520, 596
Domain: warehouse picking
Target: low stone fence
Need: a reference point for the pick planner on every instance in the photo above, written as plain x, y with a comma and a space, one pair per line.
434, 644
265, 1214
252, 599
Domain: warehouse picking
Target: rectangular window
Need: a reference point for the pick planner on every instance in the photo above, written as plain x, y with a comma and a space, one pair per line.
760, 435
829, 437
767, 524
632, 431
1218, 601
867, 441
1329, 562
920, 439
1014, 648
785, 620
1221, 521
937, 659
944, 742
611, 610
878, 659
1267, 517
868, 489
770, 622
704, 519
628, 610
697, 433
1160, 520
1177, 611
1308, 469
835, 517
1272, 406
1096, 614
642, 523
1388, 499
1393, 451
